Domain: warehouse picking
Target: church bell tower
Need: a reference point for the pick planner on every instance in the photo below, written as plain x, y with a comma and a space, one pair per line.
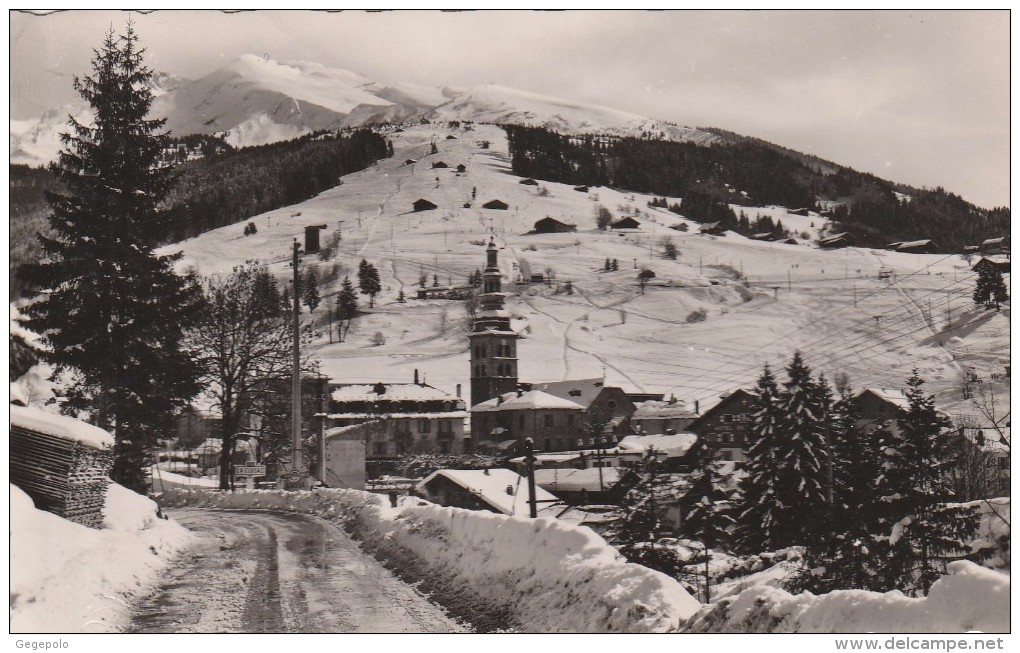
493, 343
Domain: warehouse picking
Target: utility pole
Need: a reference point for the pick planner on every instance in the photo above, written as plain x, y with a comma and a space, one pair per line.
529, 462
295, 396
789, 283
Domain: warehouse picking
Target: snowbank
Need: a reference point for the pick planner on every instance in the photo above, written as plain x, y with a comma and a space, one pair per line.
69, 578
969, 598
541, 575
163, 480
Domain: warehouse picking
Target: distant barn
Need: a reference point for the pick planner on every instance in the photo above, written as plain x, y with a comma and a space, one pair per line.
713, 228
918, 247
998, 245
625, 223
766, 236
790, 241
499, 205
424, 205
528, 182
451, 137
439, 164
461, 167
408, 162
581, 189
549, 225
842, 239
1000, 264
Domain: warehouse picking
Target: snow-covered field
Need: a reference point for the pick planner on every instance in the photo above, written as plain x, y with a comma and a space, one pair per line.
69, 578
549, 576
829, 304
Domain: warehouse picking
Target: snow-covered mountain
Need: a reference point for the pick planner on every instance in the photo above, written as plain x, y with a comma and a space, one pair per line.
253, 101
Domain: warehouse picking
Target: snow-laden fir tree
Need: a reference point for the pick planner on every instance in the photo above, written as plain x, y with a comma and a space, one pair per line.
756, 509
639, 534
112, 311
368, 281
707, 515
848, 555
990, 289
801, 489
346, 308
927, 529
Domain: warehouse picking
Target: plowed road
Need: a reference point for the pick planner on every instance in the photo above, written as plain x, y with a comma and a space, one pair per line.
257, 572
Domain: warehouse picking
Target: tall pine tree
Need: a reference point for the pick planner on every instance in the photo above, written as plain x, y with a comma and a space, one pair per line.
111, 310
368, 281
931, 531
801, 490
756, 508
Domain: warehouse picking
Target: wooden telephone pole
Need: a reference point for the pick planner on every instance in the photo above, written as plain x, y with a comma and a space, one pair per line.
297, 470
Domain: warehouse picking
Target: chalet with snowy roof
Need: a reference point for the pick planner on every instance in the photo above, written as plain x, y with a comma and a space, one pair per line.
662, 416
581, 189
918, 247
553, 424
625, 222
548, 225
528, 182
712, 228
879, 405
498, 205
415, 417
999, 263
461, 167
439, 164
451, 137
423, 205
833, 241
496, 490
765, 236
789, 241
726, 425
408, 162
998, 245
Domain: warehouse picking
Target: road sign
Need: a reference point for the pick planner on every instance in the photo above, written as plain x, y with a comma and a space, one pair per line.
294, 475
250, 470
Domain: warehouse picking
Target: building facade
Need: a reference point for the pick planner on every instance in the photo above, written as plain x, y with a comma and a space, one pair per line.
726, 425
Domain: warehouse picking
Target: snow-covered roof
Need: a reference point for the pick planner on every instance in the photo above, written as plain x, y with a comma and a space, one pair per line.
662, 410
491, 487
530, 400
915, 243
580, 391
394, 392
448, 414
673, 445
575, 480
60, 426
892, 396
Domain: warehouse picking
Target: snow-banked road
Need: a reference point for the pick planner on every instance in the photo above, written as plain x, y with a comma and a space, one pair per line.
257, 572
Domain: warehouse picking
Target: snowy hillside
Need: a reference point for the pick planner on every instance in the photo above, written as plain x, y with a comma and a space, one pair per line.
830, 304
502, 105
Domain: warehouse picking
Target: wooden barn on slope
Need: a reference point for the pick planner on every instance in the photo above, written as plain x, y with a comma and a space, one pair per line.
918, 247
842, 239
548, 225
499, 205
423, 205
626, 222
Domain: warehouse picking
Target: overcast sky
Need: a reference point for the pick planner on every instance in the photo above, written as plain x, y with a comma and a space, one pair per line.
913, 96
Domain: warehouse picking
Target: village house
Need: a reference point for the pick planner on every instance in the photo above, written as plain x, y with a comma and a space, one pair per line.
726, 425
917, 247
662, 417
528, 182
998, 245
712, 228
999, 263
415, 418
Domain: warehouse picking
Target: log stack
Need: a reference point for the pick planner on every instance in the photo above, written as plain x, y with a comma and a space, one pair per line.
63, 475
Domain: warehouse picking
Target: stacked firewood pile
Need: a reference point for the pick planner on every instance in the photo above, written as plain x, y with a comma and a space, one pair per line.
63, 476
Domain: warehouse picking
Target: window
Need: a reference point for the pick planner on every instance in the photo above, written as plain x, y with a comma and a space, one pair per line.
548, 420
483, 352
424, 426
444, 426
727, 419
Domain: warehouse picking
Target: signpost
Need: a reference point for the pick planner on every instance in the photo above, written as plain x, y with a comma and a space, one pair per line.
249, 473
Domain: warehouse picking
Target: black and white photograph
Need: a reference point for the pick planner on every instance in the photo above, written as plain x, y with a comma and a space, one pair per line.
499, 322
